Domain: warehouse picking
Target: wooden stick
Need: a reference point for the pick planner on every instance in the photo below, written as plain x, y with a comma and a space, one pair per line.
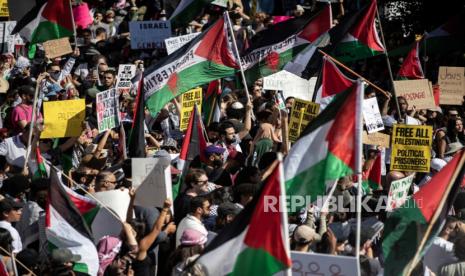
384, 92
414, 261
17, 261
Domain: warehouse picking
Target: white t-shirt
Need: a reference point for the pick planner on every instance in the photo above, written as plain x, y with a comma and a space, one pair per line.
189, 222
17, 244
14, 151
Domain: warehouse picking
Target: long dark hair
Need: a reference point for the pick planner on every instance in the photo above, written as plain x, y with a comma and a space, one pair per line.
452, 134
6, 240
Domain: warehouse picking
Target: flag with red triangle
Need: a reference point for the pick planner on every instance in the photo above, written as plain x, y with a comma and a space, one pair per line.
362, 41
255, 243
406, 226
207, 57
411, 67
372, 175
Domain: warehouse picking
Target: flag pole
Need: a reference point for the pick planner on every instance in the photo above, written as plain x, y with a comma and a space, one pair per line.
388, 65
358, 162
74, 24
236, 51
438, 211
283, 210
16, 260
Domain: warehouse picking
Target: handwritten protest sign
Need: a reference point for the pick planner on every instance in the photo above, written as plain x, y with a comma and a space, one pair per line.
116, 200
416, 92
398, 192
452, 84
376, 139
57, 47
188, 101
322, 264
4, 12
107, 110
149, 34
372, 116
152, 179
174, 43
290, 84
411, 148
63, 118
125, 74
302, 113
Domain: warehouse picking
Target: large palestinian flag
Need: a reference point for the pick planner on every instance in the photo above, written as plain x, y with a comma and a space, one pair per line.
66, 227
207, 57
136, 141
362, 41
326, 150
255, 242
272, 48
46, 21
331, 81
405, 227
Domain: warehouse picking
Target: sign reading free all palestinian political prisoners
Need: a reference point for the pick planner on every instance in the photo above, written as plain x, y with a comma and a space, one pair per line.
188, 101
149, 34
416, 92
299, 120
411, 147
107, 110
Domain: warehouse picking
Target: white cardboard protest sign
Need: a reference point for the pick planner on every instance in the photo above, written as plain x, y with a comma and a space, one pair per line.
372, 116
149, 34
8, 41
105, 224
290, 84
174, 43
107, 110
125, 74
322, 264
151, 177
116, 200
398, 192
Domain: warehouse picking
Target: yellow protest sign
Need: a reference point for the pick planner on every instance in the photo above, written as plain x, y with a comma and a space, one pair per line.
411, 148
188, 101
4, 12
63, 118
302, 113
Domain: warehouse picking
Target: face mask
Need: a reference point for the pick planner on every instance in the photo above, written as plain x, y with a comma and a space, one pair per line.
204, 21
55, 75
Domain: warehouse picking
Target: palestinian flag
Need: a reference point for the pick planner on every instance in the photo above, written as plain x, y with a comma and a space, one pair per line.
48, 20
331, 81
326, 149
207, 57
372, 175
193, 146
255, 243
211, 103
411, 67
272, 48
137, 134
87, 207
405, 227
37, 166
186, 11
362, 41
66, 228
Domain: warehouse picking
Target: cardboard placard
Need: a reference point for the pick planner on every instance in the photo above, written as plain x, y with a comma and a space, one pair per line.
372, 116
152, 179
299, 120
57, 47
149, 34
174, 43
416, 92
398, 192
116, 200
107, 110
322, 264
126, 72
4, 11
290, 84
188, 101
452, 84
376, 139
411, 148
63, 118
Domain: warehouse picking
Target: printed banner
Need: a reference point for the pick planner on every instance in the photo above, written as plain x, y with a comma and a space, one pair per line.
188, 101
416, 92
398, 192
452, 84
174, 43
63, 118
302, 113
411, 148
107, 110
372, 116
149, 34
